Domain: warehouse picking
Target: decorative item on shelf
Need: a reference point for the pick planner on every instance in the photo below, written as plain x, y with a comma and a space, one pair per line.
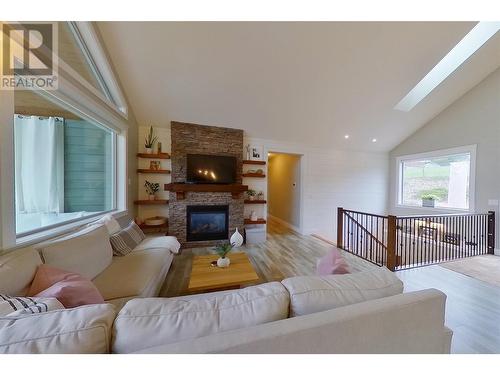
155, 165
429, 200
155, 221
236, 239
253, 216
260, 195
222, 251
150, 141
247, 147
255, 153
251, 194
159, 148
259, 171
151, 188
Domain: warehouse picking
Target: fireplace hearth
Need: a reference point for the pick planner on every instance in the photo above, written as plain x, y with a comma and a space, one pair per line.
207, 222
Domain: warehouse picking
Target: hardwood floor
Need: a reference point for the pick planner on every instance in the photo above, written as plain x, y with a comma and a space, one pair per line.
472, 307
284, 254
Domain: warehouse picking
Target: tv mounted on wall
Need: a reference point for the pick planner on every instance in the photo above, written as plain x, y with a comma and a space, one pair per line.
211, 169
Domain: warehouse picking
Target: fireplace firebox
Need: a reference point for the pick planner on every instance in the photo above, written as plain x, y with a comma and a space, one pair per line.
206, 223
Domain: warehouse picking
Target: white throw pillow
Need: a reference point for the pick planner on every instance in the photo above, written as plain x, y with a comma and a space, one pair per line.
14, 306
160, 242
310, 294
86, 252
110, 222
147, 322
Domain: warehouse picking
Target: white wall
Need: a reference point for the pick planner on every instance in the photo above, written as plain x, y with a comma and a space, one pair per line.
284, 188
332, 178
473, 119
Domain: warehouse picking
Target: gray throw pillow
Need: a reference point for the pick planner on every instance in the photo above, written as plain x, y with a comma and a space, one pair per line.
127, 239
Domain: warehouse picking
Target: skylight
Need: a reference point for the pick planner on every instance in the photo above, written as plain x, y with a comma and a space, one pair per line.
456, 57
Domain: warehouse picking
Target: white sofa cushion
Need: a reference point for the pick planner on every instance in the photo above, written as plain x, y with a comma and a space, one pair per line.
144, 323
404, 323
86, 252
160, 242
310, 294
84, 329
138, 274
109, 222
17, 270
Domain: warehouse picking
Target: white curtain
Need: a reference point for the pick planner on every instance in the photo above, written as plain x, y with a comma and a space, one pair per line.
39, 152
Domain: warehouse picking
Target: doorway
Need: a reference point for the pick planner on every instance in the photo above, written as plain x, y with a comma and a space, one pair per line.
284, 190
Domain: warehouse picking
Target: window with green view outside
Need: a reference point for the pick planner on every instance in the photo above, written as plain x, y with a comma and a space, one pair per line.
445, 180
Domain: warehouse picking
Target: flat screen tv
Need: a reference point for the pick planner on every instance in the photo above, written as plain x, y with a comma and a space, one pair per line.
211, 169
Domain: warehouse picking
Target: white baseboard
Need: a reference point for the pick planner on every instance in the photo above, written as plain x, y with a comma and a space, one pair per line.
284, 223
324, 239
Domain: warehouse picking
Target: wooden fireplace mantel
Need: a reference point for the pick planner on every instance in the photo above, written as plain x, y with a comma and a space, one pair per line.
182, 189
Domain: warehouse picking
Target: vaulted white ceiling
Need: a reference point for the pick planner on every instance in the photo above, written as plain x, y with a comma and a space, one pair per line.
297, 82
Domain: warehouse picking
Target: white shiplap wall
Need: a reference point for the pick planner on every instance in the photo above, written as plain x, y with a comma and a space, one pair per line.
332, 178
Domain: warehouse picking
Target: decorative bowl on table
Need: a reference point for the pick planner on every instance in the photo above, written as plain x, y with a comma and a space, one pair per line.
156, 220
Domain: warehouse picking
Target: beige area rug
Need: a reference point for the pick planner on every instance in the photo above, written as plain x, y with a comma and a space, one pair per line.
483, 267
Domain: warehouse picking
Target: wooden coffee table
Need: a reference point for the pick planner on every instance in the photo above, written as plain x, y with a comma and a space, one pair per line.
205, 277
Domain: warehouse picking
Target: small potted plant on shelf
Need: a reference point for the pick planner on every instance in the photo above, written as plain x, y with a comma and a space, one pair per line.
251, 194
222, 251
260, 196
151, 188
150, 141
429, 200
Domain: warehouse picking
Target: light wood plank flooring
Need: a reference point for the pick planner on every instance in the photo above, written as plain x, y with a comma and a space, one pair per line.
472, 307
284, 254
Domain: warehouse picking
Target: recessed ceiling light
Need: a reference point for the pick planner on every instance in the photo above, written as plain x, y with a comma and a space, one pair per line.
346, 136
456, 57
374, 140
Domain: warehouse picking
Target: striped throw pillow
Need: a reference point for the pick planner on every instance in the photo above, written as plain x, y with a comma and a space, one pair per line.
14, 306
127, 239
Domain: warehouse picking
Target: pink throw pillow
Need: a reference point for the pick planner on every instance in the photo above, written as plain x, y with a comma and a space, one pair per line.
332, 263
71, 289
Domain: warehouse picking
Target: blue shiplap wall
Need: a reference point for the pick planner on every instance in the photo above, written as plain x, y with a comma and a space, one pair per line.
87, 167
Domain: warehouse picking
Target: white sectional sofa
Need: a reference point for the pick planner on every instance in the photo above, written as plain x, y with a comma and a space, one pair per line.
88, 252
363, 312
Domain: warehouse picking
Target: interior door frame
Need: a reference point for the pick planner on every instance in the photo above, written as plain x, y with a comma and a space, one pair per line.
302, 158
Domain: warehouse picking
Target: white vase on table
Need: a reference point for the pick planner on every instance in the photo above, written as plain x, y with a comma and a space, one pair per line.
223, 262
236, 239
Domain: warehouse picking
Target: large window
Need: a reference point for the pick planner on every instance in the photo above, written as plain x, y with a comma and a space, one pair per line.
59, 147
64, 170
441, 179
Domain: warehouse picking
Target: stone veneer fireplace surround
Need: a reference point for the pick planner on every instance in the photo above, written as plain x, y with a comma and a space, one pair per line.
206, 140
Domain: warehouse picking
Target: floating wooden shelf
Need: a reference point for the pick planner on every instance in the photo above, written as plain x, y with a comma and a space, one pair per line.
151, 202
254, 162
255, 201
182, 189
258, 221
154, 171
258, 175
163, 155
